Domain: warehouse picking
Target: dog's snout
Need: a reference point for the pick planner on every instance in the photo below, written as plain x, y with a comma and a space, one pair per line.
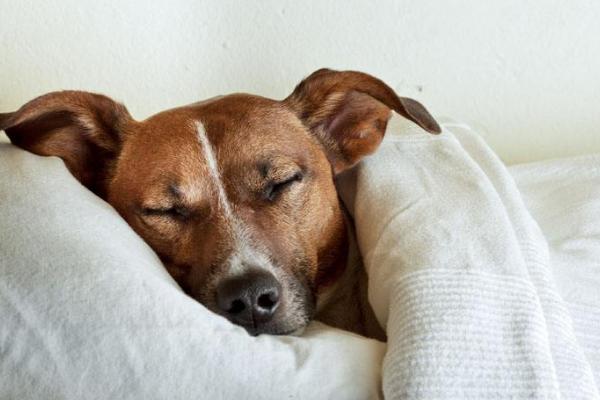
250, 299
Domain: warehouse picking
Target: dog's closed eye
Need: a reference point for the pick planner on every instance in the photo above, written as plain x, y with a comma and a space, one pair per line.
275, 188
175, 212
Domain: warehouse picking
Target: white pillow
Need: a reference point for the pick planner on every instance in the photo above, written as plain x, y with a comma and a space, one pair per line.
88, 311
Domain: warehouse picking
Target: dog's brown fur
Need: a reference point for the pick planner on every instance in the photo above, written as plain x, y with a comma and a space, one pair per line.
157, 175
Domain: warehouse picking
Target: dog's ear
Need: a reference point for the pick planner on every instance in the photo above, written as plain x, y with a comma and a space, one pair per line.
348, 112
84, 129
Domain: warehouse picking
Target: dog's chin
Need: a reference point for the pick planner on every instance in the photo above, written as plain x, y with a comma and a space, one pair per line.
276, 331
283, 324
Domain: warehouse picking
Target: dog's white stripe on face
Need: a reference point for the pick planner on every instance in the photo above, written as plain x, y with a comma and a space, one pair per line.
213, 168
244, 252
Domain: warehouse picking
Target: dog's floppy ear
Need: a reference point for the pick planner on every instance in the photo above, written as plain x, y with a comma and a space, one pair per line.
348, 111
84, 129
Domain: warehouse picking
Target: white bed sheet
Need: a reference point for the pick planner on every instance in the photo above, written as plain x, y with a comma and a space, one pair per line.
563, 196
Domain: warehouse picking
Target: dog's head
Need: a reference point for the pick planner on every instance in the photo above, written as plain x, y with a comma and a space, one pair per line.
236, 194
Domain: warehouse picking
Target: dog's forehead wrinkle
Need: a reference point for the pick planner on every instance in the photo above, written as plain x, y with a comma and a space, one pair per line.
264, 167
174, 190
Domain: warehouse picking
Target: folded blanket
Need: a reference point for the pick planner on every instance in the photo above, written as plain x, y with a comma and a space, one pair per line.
460, 274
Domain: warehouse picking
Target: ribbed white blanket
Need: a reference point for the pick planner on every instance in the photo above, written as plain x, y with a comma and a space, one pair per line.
460, 275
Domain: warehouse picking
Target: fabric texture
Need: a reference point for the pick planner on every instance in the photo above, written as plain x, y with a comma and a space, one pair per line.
460, 274
564, 198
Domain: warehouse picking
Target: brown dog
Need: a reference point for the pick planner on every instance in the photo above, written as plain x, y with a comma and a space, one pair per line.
236, 194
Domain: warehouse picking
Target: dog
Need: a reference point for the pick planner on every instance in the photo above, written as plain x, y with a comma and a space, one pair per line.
236, 194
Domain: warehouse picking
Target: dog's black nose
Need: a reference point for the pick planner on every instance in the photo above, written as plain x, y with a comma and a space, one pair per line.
250, 299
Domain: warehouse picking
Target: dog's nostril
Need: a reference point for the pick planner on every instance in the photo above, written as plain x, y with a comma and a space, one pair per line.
268, 301
237, 306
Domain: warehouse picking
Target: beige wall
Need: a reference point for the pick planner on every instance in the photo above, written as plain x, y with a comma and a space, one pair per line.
526, 71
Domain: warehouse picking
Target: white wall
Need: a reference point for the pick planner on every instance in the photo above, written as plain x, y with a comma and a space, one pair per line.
527, 71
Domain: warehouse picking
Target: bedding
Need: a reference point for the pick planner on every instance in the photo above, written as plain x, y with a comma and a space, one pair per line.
477, 301
564, 198
460, 273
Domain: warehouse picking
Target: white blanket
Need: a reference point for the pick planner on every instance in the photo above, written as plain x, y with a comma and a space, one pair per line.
460, 275
564, 198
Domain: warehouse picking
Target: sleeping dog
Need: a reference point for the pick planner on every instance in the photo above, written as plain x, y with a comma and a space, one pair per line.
236, 194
